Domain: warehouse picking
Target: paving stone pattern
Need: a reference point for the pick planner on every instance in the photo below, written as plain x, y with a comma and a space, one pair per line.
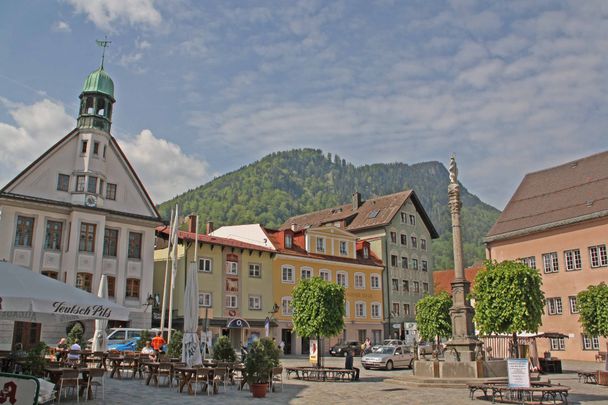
374, 387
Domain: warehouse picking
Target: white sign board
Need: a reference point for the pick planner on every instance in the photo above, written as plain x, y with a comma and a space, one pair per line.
18, 389
519, 373
313, 353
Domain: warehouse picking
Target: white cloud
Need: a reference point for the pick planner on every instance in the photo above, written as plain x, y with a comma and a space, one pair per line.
36, 128
163, 166
106, 13
61, 26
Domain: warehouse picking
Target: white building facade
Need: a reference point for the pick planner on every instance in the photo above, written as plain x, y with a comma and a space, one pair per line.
80, 211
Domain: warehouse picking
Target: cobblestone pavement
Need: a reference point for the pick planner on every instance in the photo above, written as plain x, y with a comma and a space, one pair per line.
374, 387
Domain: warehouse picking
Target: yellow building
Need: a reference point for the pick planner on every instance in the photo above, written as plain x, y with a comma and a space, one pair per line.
234, 279
334, 255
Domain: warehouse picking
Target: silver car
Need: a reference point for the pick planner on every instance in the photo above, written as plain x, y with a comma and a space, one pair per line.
389, 357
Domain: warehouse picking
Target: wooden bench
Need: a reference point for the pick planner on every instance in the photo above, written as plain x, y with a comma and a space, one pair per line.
600, 356
529, 395
588, 377
321, 374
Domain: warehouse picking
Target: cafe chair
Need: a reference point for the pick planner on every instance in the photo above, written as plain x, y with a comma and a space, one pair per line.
204, 375
67, 381
96, 379
221, 377
276, 378
165, 370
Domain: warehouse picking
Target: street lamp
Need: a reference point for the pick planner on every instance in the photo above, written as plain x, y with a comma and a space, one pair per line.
150, 301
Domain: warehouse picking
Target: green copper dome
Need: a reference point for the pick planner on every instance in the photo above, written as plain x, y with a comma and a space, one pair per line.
99, 81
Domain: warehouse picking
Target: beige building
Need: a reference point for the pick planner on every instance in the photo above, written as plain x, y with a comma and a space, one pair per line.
80, 211
557, 222
234, 279
399, 232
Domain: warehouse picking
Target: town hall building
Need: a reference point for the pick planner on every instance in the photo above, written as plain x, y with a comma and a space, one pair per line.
80, 211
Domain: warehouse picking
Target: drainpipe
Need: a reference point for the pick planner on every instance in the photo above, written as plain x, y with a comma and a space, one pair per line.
387, 287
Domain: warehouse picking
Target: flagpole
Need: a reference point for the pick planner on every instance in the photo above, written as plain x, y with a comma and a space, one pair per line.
173, 272
164, 305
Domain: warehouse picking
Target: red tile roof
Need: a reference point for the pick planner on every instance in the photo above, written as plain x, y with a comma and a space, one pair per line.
556, 196
163, 231
442, 279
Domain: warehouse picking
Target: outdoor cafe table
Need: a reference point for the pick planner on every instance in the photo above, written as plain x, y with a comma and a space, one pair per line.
54, 374
152, 371
186, 379
116, 363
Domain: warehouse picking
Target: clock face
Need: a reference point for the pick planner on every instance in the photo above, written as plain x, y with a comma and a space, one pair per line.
90, 201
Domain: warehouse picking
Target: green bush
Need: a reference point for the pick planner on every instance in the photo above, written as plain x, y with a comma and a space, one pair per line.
145, 336
75, 334
35, 360
175, 347
223, 350
262, 357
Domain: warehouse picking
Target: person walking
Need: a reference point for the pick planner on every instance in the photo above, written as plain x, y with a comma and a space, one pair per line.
158, 342
348, 364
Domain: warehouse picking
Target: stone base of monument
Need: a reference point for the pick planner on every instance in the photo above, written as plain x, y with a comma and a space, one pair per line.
469, 369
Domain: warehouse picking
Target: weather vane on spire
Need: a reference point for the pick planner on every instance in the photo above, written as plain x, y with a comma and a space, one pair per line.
104, 44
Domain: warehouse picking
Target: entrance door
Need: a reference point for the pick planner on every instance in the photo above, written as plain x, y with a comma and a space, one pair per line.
305, 345
286, 338
26, 335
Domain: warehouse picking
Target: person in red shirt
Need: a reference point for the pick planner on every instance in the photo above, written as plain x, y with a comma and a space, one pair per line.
158, 342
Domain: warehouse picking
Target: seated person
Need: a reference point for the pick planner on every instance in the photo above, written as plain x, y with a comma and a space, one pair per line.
62, 345
348, 364
149, 351
74, 354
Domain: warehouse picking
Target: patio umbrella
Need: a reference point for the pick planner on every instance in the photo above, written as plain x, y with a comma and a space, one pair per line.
100, 338
32, 297
191, 353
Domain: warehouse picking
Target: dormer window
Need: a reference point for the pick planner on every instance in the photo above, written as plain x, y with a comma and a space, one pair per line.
365, 252
343, 248
288, 241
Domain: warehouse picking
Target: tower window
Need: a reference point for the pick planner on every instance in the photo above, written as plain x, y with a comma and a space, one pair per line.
83, 149
104, 151
95, 148
89, 105
80, 183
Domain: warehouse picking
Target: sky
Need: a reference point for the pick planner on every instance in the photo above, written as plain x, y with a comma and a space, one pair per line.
206, 87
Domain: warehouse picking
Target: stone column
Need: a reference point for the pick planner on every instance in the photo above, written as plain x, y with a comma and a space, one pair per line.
461, 347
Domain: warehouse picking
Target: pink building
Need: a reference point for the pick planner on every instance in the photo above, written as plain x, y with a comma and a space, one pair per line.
557, 222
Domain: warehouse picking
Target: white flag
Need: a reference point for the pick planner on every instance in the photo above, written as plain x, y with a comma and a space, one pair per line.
174, 238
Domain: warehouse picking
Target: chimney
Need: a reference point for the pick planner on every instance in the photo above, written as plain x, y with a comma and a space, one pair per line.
192, 223
294, 227
209, 227
356, 200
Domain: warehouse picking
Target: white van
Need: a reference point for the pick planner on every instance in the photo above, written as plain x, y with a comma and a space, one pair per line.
123, 335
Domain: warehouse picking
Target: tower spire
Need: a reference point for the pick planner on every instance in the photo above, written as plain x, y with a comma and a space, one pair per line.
104, 44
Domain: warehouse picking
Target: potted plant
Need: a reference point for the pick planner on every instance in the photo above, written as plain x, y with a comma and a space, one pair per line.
223, 350
262, 358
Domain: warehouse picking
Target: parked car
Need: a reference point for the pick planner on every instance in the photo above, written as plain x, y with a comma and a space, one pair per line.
389, 357
128, 346
389, 342
341, 349
425, 347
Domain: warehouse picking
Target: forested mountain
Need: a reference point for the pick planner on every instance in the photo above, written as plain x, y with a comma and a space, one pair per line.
285, 184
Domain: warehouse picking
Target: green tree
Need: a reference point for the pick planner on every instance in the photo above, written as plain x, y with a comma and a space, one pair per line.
508, 299
223, 350
433, 316
318, 309
592, 305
